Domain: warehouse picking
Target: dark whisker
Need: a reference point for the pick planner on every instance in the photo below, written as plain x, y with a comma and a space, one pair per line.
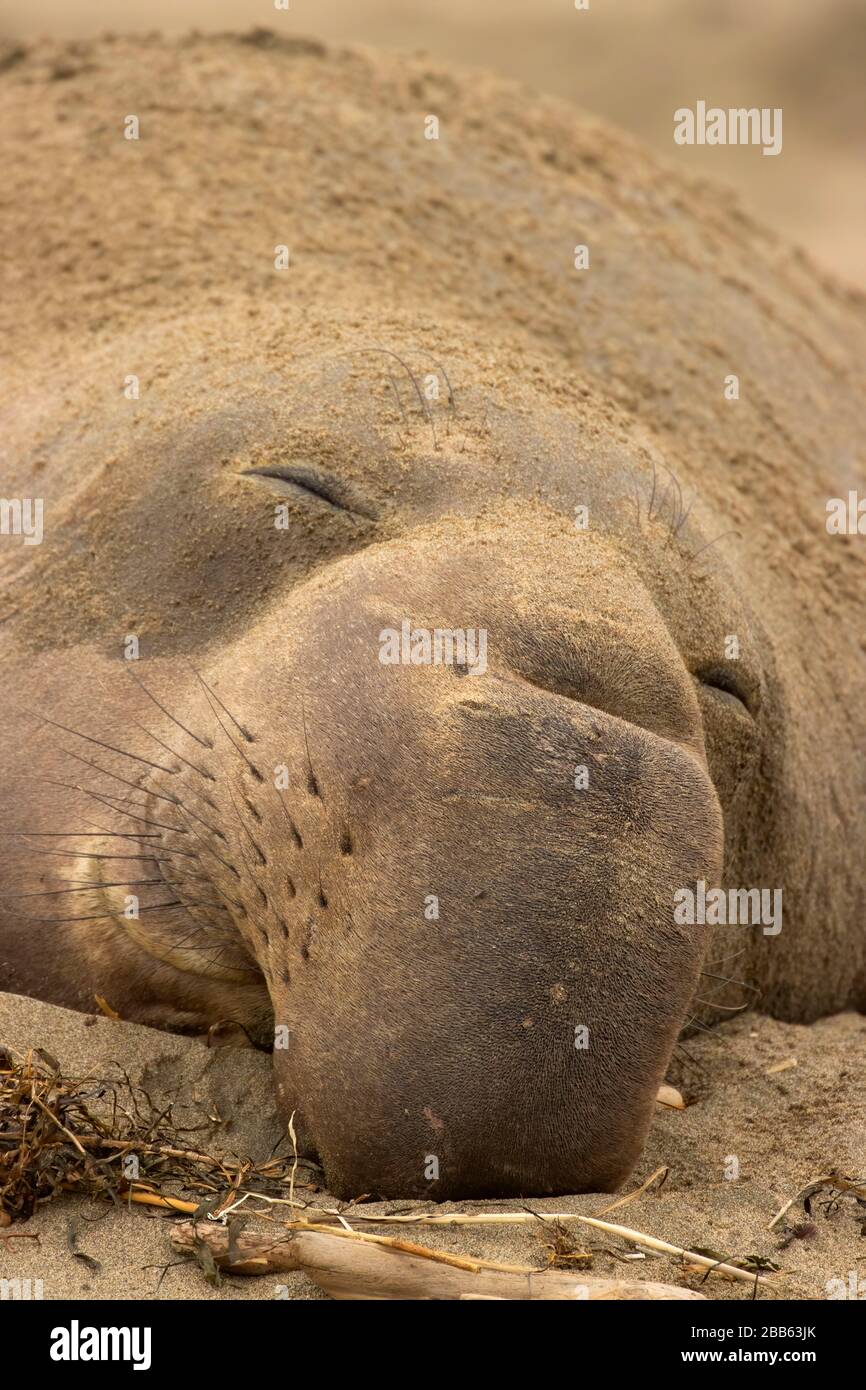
200, 878
293, 829
245, 733
77, 854
105, 916
212, 828
86, 888
136, 786
210, 850
110, 746
700, 550
105, 801
245, 829
203, 743
313, 782
208, 776
241, 754
693, 1060
81, 835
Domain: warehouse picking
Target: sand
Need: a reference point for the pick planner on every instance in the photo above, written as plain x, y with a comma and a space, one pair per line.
784, 1128
633, 62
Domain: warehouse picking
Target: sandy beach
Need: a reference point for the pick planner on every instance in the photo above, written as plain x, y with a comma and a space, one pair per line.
784, 1128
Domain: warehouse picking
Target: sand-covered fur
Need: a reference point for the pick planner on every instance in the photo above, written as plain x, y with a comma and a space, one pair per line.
411, 261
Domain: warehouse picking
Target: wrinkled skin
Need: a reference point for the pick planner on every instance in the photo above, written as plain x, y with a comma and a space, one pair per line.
409, 1037
294, 805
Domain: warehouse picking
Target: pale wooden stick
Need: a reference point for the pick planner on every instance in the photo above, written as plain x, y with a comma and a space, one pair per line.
508, 1218
349, 1265
638, 1192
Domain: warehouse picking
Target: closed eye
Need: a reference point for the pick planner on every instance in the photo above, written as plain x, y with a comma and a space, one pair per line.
727, 683
299, 480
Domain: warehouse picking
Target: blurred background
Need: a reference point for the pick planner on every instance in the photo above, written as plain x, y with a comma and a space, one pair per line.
633, 61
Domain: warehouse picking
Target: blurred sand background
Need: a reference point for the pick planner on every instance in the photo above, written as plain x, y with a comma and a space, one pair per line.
632, 61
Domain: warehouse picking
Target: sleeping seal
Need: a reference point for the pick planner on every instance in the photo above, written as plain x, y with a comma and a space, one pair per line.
428, 618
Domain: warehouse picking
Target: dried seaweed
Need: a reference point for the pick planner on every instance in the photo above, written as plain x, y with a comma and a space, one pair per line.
105, 1138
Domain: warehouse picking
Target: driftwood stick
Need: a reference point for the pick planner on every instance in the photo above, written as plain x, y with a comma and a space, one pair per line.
350, 1265
515, 1218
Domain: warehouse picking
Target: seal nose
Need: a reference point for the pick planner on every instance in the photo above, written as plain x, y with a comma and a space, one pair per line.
522, 1034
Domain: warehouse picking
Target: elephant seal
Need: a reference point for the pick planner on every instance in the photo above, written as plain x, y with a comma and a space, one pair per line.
479, 620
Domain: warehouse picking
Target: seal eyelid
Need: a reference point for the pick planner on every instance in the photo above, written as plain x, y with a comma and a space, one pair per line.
726, 682
300, 479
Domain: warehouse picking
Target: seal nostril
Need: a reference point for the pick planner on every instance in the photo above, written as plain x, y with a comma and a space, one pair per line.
291, 887
323, 901
725, 682
346, 845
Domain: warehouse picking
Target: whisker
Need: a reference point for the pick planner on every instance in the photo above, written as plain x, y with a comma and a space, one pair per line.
210, 850
86, 888
727, 1008
185, 810
110, 746
136, 786
732, 956
104, 800
203, 743
313, 781
727, 980
245, 829
702, 548
694, 1021
693, 1060
81, 835
199, 878
104, 916
77, 854
245, 733
202, 772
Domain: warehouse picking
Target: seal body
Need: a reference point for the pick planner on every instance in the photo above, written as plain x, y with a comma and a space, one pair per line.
419, 619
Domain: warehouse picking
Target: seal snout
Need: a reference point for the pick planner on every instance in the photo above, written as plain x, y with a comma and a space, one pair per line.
476, 972
501, 1014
